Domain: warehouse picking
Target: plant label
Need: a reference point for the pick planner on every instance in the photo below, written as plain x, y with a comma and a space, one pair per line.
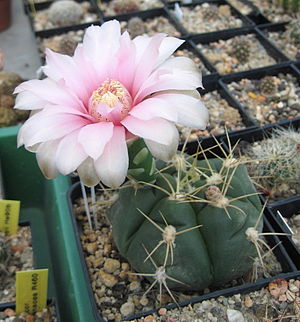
9, 216
31, 290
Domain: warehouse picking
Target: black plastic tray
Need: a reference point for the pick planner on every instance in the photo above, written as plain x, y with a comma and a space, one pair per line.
286, 209
284, 67
272, 51
246, 21
57, 30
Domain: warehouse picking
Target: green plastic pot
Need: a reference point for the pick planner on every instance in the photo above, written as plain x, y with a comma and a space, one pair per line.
44, 204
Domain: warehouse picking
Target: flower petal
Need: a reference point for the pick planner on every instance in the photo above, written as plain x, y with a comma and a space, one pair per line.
93, 138
50, 91
45, 156
150, 54
190, 111
112, 165
156, 129
39, 128
63, 67
162, 151
87, 172
28, 101
154, 107
179, 73
100, 44
70, 153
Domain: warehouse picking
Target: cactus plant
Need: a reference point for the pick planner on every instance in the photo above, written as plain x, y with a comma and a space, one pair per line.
204, 208
268, 86
277, 160
67, 45
210, 12
65, 12
122, 6
294, 31
136, 27
241, 49
287, 5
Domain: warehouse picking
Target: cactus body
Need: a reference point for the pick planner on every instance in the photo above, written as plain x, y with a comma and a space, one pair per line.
288, 5
210, 255
65, 12
268, 86
122, 6
241, 49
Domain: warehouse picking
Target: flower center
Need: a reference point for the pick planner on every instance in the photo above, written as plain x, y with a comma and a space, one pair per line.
110, 102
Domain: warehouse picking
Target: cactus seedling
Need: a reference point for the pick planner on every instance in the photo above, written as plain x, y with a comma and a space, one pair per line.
125, 6
136, 27
287, 5
65, 12
241, 49
268, 86
210, 12
277, 161
193, 219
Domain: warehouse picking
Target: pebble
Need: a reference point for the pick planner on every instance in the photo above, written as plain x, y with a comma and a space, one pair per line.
127, 308
111, 265
108, 280
248, 301
234, 316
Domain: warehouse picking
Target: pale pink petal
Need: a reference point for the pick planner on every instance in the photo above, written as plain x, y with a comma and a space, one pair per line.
154, 107
190, 111
167, 48
171, 75
94, 137
28, 101
45, 156
156, 129
51, 92
39, 129
112, 165
87, 72
100, 44
162, 151
87, 173
70, 153
150, 55
125, 67
64, 67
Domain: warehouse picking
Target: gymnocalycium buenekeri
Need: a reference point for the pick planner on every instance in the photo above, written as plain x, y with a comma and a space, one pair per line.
188, 224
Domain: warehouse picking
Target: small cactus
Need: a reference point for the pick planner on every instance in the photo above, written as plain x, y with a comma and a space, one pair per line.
125, 6
241, 49
210, 12
294, 31
277, 160
67, 45
287, 5
136, 27
65, 13
268, 86
204, 208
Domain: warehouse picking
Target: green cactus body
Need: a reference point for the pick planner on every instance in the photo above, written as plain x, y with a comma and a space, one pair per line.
288, 5
241, 49
210, 255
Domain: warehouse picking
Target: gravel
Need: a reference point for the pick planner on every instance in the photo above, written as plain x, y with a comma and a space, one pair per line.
19, 259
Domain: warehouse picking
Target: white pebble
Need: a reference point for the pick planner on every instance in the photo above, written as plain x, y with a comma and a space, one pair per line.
127, 308
235, 316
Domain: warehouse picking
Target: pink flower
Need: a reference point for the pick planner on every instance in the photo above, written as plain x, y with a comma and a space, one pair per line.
111, 90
